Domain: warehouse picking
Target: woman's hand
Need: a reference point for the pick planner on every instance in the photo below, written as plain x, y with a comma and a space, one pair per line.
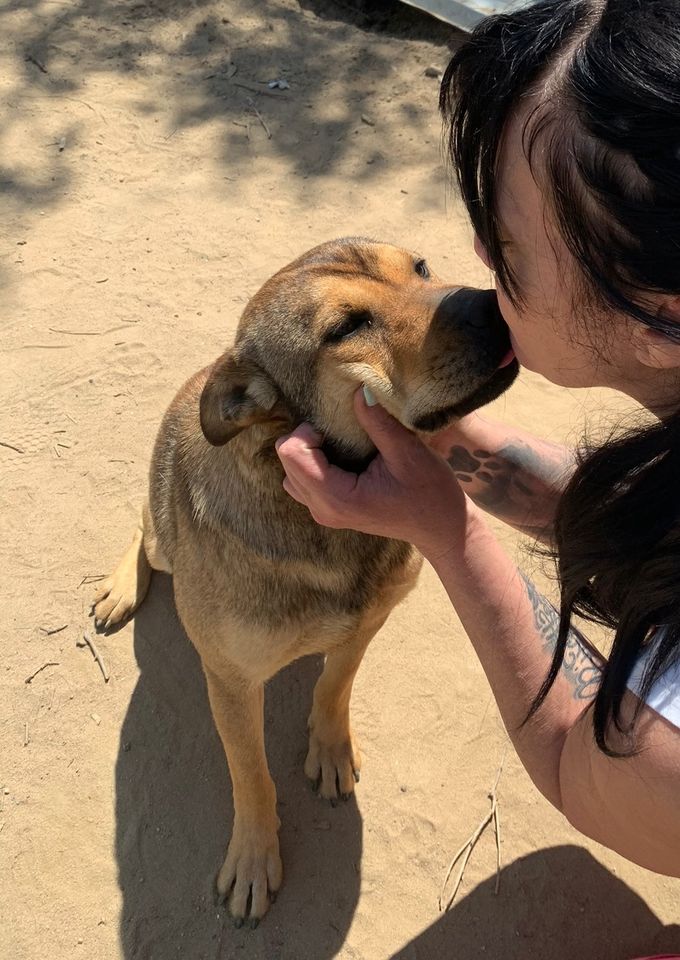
408, 492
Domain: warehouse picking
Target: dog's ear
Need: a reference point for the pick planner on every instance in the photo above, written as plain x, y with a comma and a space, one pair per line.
237, 395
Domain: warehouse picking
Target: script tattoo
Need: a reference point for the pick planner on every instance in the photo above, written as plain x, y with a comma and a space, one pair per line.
579, 665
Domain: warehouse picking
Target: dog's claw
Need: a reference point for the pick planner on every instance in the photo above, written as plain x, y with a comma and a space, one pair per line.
345, 796
238, 922
357, 776
254, 923
334, 801
273, 895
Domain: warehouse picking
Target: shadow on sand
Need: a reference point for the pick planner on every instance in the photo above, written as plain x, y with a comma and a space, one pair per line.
554, 904
174, 811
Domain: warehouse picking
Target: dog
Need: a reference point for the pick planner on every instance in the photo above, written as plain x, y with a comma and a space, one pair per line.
257, 582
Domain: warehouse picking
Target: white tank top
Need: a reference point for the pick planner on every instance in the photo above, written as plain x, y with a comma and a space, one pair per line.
664, 696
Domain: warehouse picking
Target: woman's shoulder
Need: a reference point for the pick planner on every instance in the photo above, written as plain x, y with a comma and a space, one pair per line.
628, 802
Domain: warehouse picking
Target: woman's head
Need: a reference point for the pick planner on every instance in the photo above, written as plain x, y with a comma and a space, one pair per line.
564, 130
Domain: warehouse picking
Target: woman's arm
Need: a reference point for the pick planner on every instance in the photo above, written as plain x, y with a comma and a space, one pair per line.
508, 472
513, 629
628, 803
409, 492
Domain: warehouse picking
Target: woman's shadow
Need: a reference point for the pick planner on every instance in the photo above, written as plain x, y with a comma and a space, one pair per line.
174, 812
554, 904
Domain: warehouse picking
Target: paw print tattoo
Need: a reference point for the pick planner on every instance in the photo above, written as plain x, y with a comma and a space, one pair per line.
501, 473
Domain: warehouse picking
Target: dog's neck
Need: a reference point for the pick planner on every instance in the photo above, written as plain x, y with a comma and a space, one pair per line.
259, 440
337, 454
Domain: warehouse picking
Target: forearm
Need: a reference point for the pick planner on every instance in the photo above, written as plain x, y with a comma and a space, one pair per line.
514, 630
509, 473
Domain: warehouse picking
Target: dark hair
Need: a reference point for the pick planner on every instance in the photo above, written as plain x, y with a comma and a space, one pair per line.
608, 77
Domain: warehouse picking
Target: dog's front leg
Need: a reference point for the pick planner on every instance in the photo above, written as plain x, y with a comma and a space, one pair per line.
253, 865
334, 760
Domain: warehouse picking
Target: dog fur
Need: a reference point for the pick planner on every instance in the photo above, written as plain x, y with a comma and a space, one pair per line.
257, 582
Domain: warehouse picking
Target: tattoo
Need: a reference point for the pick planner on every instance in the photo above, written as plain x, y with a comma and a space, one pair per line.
580, 665
510, 477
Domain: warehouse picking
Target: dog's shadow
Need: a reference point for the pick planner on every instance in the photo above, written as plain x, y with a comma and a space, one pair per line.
174, 812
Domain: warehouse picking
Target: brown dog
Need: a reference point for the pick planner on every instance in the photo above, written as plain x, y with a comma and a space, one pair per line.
257, 582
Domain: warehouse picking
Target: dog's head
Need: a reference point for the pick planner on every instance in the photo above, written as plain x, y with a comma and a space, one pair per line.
349, 312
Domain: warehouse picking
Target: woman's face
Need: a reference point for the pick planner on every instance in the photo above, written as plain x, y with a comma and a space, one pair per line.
546, 336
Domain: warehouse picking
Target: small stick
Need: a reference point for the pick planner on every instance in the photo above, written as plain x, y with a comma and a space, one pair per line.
70, 417
93, 578
465, 851
37, 63
97, 655
52, 663
90, 333
260, 118
262, 91
27, 739
53, 630
10, 446
497, 832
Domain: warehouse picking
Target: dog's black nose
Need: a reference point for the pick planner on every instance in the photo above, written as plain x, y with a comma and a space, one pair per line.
475, 314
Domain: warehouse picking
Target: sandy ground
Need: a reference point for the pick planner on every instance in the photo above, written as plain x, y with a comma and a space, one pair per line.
144, 201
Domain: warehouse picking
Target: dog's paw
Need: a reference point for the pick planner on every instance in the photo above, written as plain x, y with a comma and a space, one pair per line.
120, 594
252, 872
333, 761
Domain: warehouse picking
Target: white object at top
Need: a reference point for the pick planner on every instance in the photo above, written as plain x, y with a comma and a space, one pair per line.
465, 14
664, 697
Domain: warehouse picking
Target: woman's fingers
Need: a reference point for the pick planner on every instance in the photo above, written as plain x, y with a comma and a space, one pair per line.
311, 480
391, 438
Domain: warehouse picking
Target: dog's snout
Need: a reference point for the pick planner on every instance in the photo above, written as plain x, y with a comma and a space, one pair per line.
475, 311
475, 318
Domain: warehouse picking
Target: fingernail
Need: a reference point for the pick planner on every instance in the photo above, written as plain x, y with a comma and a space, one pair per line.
368, 397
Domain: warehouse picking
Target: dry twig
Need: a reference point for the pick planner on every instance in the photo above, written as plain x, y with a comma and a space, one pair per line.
260, 118
93, 578
37, 63
49, 633
52, 663
96, 654
259, 89
10, 446
465, 852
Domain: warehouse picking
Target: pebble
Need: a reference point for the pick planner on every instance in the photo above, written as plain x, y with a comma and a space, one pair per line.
434, 72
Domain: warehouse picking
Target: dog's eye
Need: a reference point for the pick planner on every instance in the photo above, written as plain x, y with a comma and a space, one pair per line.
351, 324
422, 269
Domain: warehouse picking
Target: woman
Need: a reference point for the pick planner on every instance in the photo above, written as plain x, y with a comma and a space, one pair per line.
564, 130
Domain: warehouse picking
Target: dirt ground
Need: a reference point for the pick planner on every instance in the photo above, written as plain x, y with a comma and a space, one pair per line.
150, 184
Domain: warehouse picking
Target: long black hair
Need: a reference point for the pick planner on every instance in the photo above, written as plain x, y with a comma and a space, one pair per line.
607, 76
